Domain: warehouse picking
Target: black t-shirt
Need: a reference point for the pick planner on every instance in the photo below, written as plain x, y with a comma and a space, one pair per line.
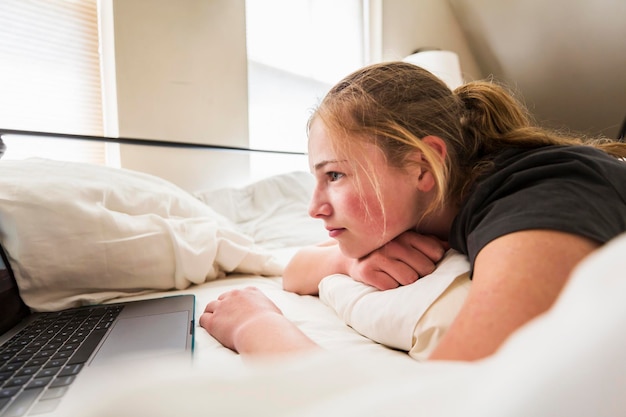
574, 189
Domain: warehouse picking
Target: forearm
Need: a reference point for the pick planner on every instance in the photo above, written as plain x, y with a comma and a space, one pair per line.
307, 268
271, 333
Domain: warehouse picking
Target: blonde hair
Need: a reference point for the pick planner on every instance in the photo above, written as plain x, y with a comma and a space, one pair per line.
394, 105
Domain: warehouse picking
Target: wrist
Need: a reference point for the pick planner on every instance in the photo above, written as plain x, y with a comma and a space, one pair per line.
270, 333
253, 333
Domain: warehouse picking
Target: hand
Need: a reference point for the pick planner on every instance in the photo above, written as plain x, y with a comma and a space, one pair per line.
227, 315
401, 261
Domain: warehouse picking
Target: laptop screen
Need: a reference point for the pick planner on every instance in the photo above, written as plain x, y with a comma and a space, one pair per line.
12, 308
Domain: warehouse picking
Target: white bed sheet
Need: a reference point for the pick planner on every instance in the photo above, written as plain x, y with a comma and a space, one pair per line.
316, 319
568, 362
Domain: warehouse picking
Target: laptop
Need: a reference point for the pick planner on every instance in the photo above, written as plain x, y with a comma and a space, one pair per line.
45, 355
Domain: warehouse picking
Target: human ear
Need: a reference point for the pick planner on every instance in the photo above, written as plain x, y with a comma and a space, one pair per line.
426, 179
437, 144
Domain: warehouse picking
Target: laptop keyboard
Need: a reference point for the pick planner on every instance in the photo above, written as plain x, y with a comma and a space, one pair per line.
38, 364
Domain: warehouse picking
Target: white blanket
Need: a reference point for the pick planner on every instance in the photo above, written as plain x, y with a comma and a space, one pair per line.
78, 234
273, 211
568, 362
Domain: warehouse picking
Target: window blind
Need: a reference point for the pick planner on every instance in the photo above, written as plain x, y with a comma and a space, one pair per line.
50, 77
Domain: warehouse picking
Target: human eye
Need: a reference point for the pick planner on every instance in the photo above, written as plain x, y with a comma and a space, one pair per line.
334, 175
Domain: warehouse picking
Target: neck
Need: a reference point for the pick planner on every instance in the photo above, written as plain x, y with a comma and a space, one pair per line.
438, 223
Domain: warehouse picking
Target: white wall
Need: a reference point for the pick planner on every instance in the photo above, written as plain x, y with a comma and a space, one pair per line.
181, 69
181, 73
408, 25
567, 58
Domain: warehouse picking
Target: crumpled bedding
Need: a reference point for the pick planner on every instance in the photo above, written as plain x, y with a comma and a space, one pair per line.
77, 234
272, 211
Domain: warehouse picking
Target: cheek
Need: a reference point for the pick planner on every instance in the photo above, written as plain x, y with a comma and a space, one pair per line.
397, 216
366, 211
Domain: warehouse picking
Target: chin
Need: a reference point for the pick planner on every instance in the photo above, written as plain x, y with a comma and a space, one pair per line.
351, 251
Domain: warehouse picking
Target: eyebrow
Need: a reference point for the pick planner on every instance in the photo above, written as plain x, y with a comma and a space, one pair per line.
322, 164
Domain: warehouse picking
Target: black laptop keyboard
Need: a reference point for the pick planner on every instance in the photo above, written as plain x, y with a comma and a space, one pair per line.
38, 364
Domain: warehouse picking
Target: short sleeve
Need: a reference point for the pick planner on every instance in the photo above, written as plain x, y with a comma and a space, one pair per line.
577, 190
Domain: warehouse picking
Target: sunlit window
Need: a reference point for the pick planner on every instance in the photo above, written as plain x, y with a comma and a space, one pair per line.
294, 57
50, 80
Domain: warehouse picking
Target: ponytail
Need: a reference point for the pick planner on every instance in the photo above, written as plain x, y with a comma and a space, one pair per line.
493, 119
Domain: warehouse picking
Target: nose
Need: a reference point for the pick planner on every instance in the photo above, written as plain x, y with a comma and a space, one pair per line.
319, 206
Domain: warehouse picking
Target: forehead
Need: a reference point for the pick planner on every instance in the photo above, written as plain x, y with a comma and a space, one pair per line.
320, 143
323, 149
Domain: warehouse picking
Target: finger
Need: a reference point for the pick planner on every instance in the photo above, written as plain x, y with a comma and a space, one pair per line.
430, 246
400, 256
420, 263
225, 294
401, 272
380, 280
204, 320
210, 307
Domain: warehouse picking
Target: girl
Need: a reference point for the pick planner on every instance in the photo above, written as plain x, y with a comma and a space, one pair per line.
406, 168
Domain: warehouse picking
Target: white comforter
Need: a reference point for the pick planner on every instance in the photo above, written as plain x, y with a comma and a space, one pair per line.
569, 362
79, 234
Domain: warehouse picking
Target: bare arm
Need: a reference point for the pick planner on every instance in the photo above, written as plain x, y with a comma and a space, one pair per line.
248, 322
401, 261
306, 269
516, 278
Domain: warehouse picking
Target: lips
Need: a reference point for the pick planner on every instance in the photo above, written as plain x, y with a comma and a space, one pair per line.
333, 233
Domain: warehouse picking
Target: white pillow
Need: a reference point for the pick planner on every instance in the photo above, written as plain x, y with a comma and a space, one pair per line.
78, 233
412, 317
434, 323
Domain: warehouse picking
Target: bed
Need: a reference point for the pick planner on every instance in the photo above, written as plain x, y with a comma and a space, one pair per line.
111, 234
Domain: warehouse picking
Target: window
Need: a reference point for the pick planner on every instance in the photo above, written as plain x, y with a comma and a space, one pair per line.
50, 77
294, 57
51, 70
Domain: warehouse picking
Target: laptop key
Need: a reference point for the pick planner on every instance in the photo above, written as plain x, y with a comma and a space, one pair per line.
8, 392
22, 403
54, 392
55, 363
71, 369
43, 407
27, 370
85, 350
18, 381
3, 402
36, 362
45, 372
61, 381
39, 383
62, 355
12, 367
